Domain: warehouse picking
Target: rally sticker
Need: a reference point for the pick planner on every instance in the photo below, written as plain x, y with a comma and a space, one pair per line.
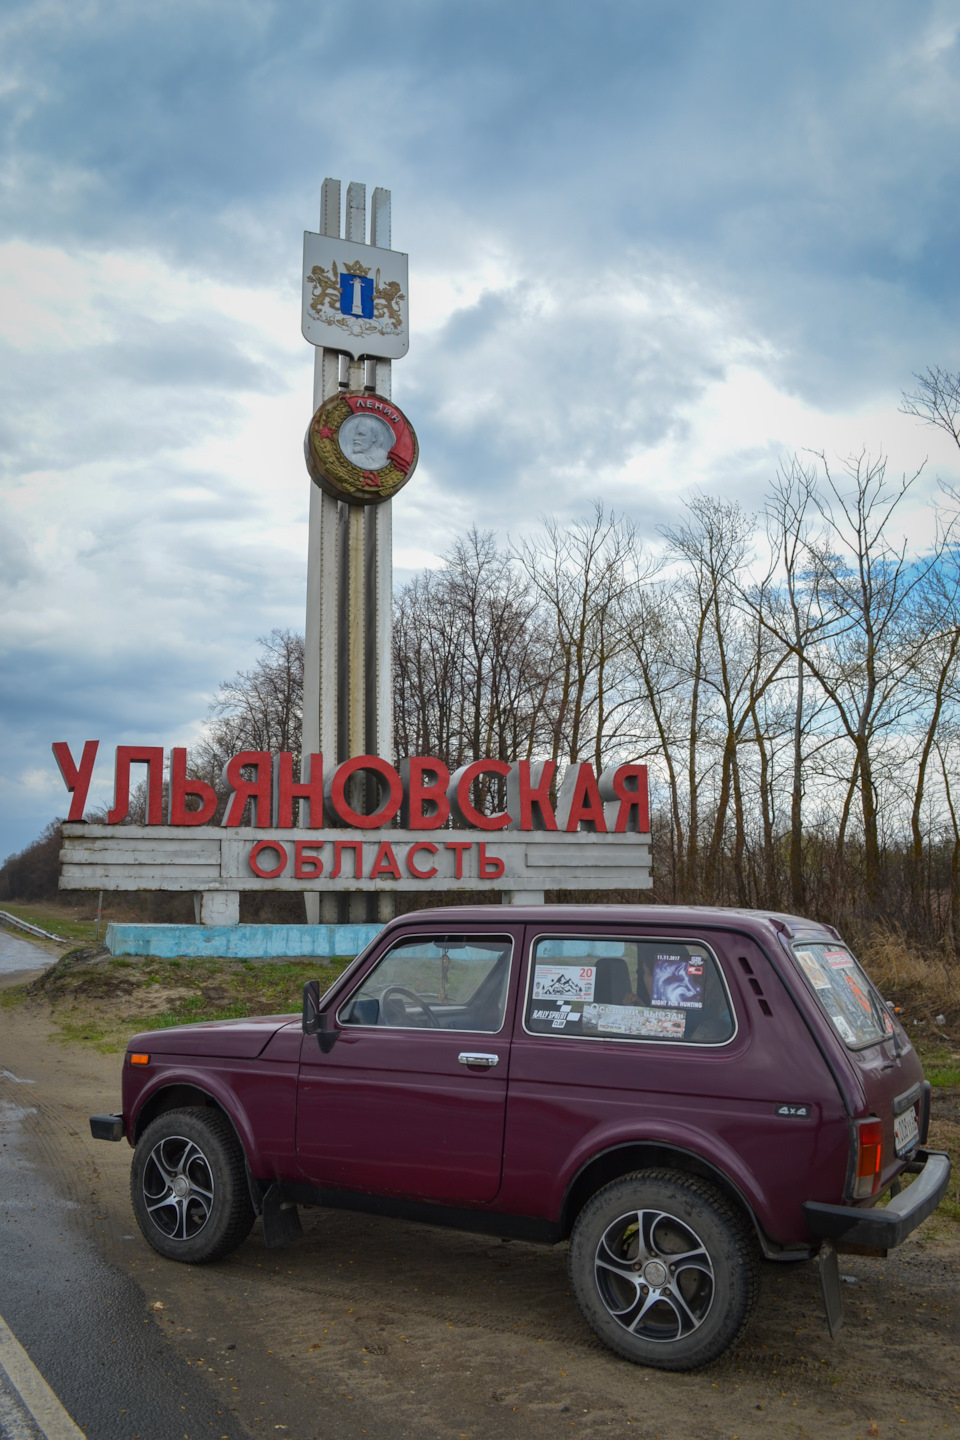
839, 959
563, 982
814, 973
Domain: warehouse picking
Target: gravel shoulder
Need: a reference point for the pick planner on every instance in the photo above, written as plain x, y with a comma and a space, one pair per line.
378, 1327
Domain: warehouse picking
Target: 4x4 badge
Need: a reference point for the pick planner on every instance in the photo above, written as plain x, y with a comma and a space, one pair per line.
794, 1112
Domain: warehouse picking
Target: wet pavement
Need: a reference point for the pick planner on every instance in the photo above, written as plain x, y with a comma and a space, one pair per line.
18, 953
82, 1321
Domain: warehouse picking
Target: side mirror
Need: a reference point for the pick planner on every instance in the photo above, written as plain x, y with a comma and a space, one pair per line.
315, 1021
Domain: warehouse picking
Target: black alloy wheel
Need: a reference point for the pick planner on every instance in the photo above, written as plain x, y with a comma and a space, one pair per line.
188, 1186
664, 1268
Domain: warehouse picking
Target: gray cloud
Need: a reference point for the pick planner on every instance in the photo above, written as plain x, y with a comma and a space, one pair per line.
652, 195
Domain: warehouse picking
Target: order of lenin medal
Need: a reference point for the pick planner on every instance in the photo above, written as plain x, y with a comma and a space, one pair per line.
360, 448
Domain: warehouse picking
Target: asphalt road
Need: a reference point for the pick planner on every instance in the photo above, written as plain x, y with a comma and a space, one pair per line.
82, 1321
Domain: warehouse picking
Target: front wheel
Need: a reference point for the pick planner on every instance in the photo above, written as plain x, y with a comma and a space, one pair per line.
664, 1269
188, 1186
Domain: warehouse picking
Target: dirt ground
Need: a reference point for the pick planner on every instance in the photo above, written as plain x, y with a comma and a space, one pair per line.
381, 1328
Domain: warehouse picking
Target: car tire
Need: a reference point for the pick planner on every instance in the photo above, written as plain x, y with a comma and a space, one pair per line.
651, 1308
188, 1185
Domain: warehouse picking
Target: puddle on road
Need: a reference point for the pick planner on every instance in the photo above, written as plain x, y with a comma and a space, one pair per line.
19, 954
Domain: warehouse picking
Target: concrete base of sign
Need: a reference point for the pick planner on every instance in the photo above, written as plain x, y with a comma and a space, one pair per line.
239, 942
219, 907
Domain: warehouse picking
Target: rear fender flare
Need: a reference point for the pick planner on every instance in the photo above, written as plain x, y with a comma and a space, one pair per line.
628, 1155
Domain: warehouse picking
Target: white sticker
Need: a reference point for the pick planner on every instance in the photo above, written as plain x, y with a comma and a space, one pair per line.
838, 958
813, 971
846, 1030
563, 982
636, 1020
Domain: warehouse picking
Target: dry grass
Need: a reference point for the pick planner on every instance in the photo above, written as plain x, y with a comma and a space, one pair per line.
925, 983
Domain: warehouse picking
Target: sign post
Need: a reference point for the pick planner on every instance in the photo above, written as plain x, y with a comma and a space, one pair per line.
355, 313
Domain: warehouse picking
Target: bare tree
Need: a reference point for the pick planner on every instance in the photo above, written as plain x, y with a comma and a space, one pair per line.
936, 400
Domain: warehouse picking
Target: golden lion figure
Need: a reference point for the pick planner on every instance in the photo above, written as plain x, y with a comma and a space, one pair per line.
326, 289
386, 301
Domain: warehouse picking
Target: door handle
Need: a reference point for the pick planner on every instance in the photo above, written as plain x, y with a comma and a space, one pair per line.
484, 1062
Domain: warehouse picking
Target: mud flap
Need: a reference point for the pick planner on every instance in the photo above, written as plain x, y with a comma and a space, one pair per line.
830, 1286
281, 1219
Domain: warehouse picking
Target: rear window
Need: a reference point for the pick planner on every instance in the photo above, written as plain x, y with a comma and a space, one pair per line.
858, 1014
650, 990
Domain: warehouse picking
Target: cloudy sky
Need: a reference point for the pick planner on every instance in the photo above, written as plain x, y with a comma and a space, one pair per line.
654, 247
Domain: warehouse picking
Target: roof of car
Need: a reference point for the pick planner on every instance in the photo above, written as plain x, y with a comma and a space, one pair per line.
712, 915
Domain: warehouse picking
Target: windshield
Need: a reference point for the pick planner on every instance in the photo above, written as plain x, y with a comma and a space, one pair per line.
858, 1014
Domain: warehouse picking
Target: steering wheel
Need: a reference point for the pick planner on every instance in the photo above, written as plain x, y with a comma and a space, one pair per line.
392, 993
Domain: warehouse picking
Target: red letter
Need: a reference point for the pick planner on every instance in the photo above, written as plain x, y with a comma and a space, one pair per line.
414, 849
488, 866
458, 847
152, 757
256, 791
458, 794
181, 788
304, 855
76, 777
258, 849
528, 795
335, 792
338, 848
627, 805
579, 800
425, 807
286, 793
385, 863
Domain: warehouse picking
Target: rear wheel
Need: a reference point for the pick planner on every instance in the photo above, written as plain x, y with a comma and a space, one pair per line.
664, 1269
188, 1186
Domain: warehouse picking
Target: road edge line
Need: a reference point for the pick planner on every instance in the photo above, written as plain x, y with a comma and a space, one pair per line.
33, 1390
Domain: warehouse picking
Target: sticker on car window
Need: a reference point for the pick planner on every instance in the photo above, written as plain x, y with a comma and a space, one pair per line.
634, 1020
557, 1013
564, 982
838, 959
677, 982
845, 1029
813, 971
859, 996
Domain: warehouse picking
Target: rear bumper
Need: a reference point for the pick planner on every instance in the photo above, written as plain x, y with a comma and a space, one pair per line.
106, 1127
885, 1229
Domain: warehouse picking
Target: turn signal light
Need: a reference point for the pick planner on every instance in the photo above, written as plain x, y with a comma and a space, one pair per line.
869, 1158
139, 1059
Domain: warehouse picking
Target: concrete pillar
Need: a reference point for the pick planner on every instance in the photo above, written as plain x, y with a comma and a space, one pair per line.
220, 907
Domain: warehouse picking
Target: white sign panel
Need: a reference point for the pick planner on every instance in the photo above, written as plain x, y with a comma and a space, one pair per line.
355, 297
167, 857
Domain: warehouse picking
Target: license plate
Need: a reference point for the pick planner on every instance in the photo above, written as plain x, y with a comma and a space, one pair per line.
906, 1131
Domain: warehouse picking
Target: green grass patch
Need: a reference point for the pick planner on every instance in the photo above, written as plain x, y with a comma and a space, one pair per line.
101, 1000
54, 921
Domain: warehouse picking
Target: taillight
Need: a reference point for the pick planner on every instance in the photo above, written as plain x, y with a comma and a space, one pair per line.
869, 1158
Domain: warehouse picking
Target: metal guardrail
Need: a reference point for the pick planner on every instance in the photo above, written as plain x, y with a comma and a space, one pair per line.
9, 919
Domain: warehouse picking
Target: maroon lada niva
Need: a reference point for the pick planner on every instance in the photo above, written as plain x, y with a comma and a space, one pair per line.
680, 1092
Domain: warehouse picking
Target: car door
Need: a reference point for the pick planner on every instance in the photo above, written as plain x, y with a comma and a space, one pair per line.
411, 1098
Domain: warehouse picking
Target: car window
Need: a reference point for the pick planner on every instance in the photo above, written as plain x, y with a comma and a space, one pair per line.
627, 990
436, 982
857, 1012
